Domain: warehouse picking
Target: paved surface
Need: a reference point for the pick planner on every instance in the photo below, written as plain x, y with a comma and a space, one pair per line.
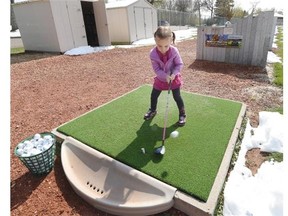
16, 42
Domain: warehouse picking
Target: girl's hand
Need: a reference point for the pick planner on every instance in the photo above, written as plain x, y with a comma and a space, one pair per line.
172, 77
168, 78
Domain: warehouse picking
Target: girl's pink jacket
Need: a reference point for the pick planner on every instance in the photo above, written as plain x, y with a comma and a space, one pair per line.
174, 64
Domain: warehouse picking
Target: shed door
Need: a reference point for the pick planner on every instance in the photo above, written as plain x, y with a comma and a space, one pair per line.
76, 23
143, 22
148, 22
139, 22
90, 24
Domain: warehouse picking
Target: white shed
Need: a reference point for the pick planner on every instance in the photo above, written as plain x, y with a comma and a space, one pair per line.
58, 26
130, 20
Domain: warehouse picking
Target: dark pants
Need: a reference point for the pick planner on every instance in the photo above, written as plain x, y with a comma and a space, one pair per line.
176, 95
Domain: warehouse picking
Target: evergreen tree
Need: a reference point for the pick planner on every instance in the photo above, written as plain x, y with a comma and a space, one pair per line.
224, 8
238, 12
156, 3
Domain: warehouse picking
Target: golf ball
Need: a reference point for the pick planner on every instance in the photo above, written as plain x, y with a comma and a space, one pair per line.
174, 134
143, 150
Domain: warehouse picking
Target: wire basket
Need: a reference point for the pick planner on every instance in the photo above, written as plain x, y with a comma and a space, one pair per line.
42, 162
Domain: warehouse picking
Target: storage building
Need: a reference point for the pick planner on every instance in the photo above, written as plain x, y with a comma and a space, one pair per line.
130, 20
58, 26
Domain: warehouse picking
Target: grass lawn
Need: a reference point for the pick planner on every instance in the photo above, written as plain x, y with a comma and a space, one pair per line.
191, 161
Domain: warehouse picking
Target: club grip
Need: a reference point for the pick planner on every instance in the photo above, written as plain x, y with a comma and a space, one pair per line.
170, 82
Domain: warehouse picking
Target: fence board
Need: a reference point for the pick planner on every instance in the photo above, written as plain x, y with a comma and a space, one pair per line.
256, 35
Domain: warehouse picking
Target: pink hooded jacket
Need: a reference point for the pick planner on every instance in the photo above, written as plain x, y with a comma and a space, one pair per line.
174, 64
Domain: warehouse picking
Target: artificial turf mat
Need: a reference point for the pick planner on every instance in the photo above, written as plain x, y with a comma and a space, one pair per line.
191, 161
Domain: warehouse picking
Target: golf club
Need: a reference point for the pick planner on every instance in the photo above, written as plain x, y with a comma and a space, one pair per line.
161, 149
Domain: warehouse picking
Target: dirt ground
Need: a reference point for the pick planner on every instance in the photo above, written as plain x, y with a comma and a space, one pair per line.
48, 90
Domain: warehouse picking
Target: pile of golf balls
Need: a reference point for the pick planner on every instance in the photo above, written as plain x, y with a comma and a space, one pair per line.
36, 145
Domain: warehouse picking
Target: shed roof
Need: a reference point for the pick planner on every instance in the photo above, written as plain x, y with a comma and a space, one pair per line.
278, 15
119, 4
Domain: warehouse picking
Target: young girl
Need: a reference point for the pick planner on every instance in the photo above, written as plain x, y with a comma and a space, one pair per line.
167, 64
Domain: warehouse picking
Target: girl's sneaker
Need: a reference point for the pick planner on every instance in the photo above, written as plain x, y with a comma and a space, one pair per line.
182, 120
150, 114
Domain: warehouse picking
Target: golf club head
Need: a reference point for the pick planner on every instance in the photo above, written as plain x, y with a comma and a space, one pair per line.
160, 150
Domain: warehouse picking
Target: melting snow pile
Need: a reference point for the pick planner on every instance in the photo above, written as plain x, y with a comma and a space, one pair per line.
261, 194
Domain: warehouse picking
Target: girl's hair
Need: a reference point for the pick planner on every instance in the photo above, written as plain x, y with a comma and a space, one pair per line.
164, 32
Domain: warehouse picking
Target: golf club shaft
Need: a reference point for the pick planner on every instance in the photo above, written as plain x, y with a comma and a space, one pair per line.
166, 112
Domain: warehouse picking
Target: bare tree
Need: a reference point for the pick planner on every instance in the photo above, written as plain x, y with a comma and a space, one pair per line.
209, 5
182, 5
254, 6
198, 4
169, 4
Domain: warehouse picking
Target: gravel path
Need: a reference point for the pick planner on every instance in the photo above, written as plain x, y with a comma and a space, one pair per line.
48, 92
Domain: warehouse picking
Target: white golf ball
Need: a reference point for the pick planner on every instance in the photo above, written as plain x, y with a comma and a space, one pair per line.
21, 145
143, 150
174, 134
19, 151
37, 136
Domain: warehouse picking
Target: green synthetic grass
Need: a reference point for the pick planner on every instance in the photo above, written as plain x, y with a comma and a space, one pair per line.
17, 50
191, 161
278, 67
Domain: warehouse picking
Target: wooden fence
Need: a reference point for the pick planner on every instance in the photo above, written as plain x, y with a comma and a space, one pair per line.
252, 38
